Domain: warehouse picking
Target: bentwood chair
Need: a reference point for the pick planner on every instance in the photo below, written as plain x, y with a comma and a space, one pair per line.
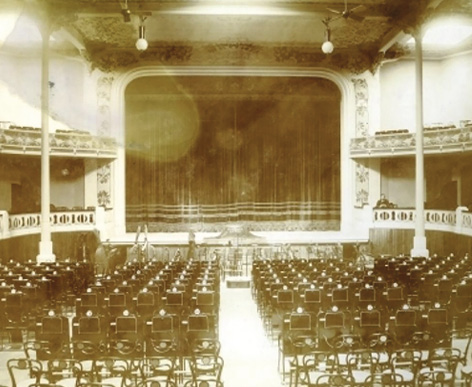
301, 345
24, 371
112, 370
157, 368
382, 344
361, 364
441, 366
66, 372
405, 362
435, 377
126, 337
206, 367
393, 379
314, 365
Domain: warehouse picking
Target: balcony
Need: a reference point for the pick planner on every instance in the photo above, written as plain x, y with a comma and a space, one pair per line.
61, 221
458, 222
72, 143
399, 143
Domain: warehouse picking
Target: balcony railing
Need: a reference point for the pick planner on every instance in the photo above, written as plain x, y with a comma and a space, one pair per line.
436, 141
27, 141
26, 224
459, 221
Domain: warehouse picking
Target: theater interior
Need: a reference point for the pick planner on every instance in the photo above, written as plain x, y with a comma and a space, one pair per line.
207, 193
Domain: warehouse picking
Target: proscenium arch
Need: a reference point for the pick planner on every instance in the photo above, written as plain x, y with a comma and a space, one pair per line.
347, 129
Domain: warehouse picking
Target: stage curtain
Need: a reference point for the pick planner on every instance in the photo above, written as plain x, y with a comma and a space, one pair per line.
207, 160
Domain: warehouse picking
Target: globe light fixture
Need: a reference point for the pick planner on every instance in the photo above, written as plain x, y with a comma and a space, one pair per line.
327, 47
142, 43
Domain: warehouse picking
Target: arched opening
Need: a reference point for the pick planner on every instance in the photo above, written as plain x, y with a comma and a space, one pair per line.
202, 151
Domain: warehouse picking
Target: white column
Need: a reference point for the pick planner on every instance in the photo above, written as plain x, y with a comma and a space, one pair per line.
419, 242
45, 245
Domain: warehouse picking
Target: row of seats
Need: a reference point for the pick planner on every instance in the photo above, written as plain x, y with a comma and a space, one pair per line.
338, 307
142, 312
205, 371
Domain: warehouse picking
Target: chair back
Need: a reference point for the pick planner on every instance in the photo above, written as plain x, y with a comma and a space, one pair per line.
24, 370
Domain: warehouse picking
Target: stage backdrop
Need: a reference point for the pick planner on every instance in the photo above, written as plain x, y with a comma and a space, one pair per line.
202, 152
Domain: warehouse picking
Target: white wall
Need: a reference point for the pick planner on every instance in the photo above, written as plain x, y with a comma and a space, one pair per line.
72, 95
5, 195
397, 95
398, 181
447, 99
446, 96
456, 90
67, 193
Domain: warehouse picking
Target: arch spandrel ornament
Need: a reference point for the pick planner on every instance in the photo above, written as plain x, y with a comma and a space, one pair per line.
361, 93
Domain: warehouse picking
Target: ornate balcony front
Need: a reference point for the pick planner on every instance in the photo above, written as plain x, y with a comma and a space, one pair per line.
458, 222
71, 143
61, 221
398, 143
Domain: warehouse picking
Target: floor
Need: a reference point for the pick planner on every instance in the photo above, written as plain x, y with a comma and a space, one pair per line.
250, 356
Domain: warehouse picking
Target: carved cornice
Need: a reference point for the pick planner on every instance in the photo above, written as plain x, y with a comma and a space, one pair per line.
355, 61
62, 143
395, 144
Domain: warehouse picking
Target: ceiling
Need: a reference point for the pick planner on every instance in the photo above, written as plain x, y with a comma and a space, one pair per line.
226, 32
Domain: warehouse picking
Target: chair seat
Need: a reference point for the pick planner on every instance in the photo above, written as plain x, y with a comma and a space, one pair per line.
314, 375
28, 382
342, 359
360, 376
70, 382
384, 359
116, 381
429, 370
466, 370
407, 375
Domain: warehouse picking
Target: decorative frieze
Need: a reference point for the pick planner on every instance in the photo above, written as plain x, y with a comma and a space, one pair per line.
435, 141
104, 85
361, 92
19, 140
104, 181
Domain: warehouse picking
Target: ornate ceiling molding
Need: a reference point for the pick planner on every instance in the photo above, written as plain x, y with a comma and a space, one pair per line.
355, 61
98, 32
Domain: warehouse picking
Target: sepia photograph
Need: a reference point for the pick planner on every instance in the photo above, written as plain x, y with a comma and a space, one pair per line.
225, 193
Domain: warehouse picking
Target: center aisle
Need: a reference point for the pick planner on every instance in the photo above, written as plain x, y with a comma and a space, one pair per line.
250, 357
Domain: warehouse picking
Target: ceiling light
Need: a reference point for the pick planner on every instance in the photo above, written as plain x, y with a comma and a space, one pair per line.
327, 47
142, 43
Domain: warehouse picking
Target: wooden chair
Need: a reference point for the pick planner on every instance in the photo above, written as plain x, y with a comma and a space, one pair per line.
24, 371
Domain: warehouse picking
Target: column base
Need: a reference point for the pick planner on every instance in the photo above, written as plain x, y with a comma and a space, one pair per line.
45, 252
419, 247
